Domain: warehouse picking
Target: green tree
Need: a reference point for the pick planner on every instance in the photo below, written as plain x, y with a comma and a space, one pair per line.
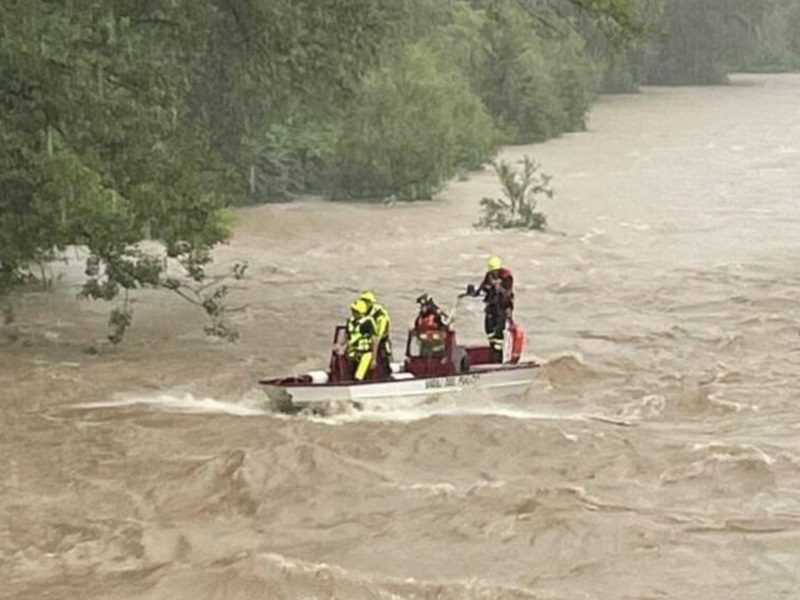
96, 151
270, 75
777, 47
527, 62
111, 133
411, 125
700, 41
123, 121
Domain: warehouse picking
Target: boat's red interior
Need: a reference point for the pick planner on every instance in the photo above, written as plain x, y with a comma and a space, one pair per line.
478, 355
430, 366
341, 369
451, 361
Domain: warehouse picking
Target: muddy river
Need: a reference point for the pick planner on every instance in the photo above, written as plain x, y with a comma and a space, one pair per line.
656, 456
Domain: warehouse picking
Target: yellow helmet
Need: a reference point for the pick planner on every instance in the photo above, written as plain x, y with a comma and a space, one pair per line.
494, 263
368, 296
359, 307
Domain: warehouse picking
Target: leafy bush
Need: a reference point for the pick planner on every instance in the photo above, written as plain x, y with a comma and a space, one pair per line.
699, 42
535, 85
577, 82
778, 43
410, 127
290, 158
521, 191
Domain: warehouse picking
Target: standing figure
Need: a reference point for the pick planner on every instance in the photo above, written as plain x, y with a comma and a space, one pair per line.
382, 350
498, 289
361, 337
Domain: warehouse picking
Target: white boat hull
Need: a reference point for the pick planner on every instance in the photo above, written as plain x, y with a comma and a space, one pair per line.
295, 397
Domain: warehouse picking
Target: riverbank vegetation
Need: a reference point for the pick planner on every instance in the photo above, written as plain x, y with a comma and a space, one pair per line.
126, 121
701, 42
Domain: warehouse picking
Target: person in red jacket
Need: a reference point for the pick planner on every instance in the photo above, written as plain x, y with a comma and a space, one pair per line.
498, 289
430, 316
430, 327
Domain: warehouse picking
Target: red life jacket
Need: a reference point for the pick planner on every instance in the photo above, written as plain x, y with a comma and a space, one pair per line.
426, 323
507, 278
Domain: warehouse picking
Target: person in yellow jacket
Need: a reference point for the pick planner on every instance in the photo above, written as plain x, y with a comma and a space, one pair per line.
382, 351
362, 335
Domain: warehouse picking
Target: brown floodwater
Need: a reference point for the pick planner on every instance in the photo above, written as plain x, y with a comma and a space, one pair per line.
656, 456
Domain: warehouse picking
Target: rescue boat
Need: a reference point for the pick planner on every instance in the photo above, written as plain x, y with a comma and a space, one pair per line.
427, 370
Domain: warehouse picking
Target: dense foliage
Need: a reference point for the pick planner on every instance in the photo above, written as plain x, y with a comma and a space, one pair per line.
777, 43
130, 120
701, 41
691, 42
123, 121
413, 122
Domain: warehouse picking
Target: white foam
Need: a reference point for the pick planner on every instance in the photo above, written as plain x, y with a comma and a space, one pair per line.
455, 406
183, 403
396, 410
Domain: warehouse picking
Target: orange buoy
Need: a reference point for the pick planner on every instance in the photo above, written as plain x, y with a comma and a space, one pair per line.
517, 339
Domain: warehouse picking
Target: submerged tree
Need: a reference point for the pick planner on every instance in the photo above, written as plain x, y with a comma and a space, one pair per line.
521, 191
